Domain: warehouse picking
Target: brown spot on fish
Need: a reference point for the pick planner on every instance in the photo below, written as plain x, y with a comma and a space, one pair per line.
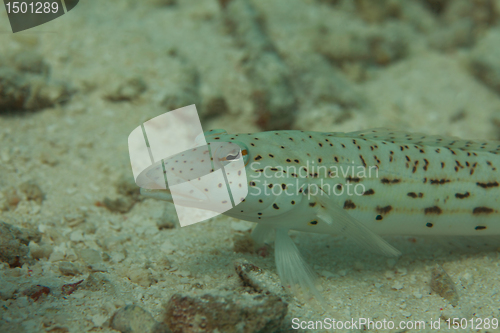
482, 210
275, 206
369, 192
312, 204
462, 196
378, 217
348, 204
487, 185
384, 210
426, 164
415, 195
433, 210
258, 157
480, 227
362, 160
390, 181
415, 167
439, 181
429, 225
353, 180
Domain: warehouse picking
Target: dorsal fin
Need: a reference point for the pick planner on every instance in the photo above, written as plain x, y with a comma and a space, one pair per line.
419, 139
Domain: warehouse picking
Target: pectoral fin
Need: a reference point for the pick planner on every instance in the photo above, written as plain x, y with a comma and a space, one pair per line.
344, 224
293, 270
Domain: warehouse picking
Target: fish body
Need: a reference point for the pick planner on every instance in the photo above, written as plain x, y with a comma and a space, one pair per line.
360, 184
394, 183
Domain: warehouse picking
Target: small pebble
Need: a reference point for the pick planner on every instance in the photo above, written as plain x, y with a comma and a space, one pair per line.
68, 268
140, 276
93, 259
14, 243
134, 319
40, 251
398, 285
32, 191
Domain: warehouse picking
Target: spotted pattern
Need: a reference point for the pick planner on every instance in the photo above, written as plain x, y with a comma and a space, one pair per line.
446, 184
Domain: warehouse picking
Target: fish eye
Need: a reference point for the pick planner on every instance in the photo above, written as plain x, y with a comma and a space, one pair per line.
227, 152
232, 157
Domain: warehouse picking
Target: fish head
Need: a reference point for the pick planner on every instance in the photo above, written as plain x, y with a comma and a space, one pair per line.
203, 177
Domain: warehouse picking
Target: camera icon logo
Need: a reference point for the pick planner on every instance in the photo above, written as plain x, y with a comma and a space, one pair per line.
26, 14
